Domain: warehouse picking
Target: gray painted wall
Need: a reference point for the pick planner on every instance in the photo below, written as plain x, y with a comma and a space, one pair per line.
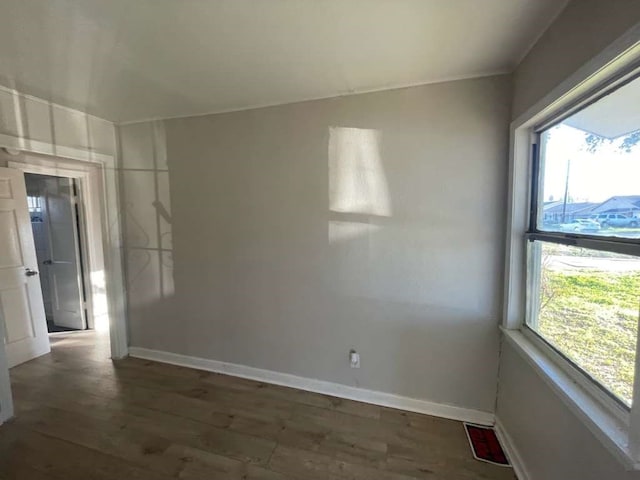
372, 222
581, 31
554, 444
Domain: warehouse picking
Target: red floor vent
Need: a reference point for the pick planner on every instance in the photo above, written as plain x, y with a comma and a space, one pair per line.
485, 445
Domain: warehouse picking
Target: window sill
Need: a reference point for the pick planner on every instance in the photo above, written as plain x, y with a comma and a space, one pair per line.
606, 427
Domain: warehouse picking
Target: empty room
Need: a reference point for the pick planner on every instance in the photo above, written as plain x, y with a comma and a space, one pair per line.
320, 239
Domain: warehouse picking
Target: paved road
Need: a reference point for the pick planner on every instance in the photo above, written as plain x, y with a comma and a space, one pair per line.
567, 262
635, 233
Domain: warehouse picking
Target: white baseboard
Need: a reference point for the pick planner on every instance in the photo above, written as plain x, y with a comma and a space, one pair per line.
512, 452
318, 386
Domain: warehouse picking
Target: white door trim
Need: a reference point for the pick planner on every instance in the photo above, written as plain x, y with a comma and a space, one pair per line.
103, 248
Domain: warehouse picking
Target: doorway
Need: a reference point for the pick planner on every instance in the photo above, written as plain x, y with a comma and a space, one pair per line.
57, 222
60, 273
23, 319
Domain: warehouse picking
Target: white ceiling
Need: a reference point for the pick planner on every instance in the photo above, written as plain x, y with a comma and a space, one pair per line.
127, 60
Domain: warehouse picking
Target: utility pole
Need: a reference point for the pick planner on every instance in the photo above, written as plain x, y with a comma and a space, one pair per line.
566, 192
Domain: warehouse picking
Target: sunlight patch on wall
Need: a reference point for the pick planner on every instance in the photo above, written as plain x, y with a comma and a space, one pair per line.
357, 182
343, 231
100, 304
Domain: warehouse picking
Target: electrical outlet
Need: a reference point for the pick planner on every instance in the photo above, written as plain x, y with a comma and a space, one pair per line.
354, 359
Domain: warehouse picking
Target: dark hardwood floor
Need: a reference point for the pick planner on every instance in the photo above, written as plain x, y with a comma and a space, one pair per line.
81, 416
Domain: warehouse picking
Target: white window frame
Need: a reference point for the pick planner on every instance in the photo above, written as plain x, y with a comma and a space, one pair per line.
615, 426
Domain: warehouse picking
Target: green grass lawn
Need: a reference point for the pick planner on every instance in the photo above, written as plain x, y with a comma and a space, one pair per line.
592, 317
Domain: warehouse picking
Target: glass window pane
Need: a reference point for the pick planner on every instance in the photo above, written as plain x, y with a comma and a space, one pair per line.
586, 306
590, 169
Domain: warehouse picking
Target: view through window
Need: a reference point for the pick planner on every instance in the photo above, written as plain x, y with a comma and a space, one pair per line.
585, 244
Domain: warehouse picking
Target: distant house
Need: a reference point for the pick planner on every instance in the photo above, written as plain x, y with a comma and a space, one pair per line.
559, 212
628, 205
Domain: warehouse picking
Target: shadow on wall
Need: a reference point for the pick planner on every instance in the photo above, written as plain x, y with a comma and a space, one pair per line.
147, 228
44, 127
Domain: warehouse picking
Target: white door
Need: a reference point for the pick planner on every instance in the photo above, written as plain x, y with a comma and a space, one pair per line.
65, 280
21, 307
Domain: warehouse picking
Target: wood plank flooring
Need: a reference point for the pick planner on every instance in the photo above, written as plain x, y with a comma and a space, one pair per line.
81, 416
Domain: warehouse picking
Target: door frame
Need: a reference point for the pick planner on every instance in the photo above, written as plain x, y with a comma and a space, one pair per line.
104, 245
89, 233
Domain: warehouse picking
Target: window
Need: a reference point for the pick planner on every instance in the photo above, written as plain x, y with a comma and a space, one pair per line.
33, 203
583, 240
